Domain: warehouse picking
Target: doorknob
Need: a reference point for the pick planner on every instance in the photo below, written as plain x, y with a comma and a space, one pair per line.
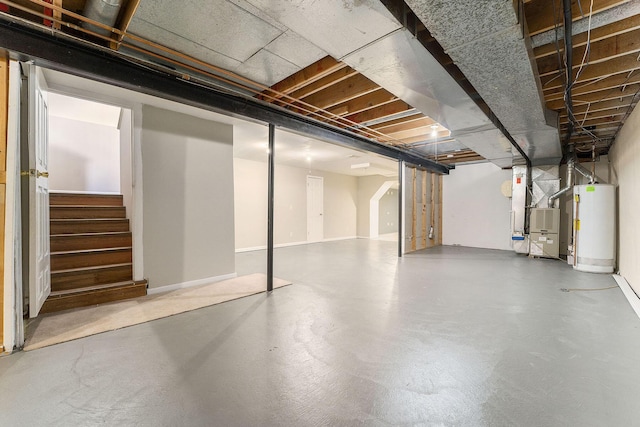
42, 174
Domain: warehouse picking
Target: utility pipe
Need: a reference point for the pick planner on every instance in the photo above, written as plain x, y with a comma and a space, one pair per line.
569, 186
568, 51
586, 173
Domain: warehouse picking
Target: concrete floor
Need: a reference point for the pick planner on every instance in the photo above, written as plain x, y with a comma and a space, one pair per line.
447, 336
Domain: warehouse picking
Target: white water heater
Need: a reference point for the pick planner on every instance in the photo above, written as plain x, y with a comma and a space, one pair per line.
594, 227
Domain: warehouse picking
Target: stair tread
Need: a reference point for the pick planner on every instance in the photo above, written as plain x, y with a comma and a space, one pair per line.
90, 268
81, 251
87, 206
87, 289
86, 219
106, 233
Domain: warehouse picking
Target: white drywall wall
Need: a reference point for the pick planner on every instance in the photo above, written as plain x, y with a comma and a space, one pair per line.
125, 131
83, 156
290, 226
367, 187
475, 213
625, 172
388, 216
188, 197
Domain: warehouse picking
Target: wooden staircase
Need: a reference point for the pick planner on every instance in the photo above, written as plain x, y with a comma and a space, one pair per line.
91, 256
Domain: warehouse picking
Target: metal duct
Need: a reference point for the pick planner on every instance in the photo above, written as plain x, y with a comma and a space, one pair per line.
103, 11
487, 40
368, 37
570, 181
593, 178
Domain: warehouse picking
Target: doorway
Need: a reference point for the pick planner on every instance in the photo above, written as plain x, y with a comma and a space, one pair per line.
315, 209
88, 148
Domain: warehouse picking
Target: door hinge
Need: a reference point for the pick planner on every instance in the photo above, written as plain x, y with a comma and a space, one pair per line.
34, 172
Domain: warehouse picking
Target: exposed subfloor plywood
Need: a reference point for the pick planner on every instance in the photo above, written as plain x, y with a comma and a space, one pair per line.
445, 336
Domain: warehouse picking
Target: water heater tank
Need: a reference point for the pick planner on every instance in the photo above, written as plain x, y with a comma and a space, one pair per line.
594, 227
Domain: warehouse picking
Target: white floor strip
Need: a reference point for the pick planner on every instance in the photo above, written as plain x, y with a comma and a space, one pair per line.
629, 293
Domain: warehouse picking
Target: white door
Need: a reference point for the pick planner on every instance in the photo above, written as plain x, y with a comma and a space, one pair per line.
315, 219
39, 272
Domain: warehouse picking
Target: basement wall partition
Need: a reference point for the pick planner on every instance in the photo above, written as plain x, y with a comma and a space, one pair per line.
422, 209
290, 222
625, 173
188, 219
367, 187
475, 212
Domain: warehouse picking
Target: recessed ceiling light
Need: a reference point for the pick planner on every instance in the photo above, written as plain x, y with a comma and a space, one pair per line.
360, 166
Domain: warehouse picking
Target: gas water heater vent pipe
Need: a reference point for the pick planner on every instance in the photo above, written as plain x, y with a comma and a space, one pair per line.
104, 11
586, 173
570, 167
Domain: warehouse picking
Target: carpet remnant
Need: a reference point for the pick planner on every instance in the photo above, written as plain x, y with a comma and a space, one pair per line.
55, 328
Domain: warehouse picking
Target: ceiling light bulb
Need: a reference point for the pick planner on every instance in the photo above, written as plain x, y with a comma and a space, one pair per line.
434, 130
309, 159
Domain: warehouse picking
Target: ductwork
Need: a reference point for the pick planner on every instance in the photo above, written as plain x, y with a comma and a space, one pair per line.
593, 178
571, 164
103, 11
488, 41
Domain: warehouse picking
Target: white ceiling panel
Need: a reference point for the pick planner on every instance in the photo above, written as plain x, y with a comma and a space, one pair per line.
266, 68
152, 32
296, 49
339, 27
221, 25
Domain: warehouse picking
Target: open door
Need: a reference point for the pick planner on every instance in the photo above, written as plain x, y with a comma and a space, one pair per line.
39, 270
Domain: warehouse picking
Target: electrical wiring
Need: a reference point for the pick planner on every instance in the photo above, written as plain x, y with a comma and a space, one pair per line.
587, 50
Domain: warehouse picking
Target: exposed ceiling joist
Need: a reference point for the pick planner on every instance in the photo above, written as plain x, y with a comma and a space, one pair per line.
540, 13
614, 29
608, 68
600, 51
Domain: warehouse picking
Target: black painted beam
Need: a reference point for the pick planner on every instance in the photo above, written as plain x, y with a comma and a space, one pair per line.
69, 55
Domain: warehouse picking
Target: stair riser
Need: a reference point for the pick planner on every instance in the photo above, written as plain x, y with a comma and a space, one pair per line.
93, 298
99, 241
89, 226
107, 257
85, 199
63, 212
79, 279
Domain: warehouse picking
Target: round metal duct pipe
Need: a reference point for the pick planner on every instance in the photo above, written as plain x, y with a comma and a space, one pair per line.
103, 11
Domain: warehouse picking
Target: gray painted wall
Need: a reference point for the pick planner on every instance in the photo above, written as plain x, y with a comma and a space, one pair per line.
290, 226
625, 172
388, 216
187, 167
367, 187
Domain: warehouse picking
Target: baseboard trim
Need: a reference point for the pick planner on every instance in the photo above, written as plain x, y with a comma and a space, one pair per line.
284, 245
633, 299
335, 239
190, 283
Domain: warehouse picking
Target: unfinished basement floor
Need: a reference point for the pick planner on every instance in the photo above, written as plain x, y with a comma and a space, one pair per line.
447, 336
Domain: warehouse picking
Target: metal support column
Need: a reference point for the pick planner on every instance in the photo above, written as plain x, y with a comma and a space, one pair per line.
270, 204
400, 208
